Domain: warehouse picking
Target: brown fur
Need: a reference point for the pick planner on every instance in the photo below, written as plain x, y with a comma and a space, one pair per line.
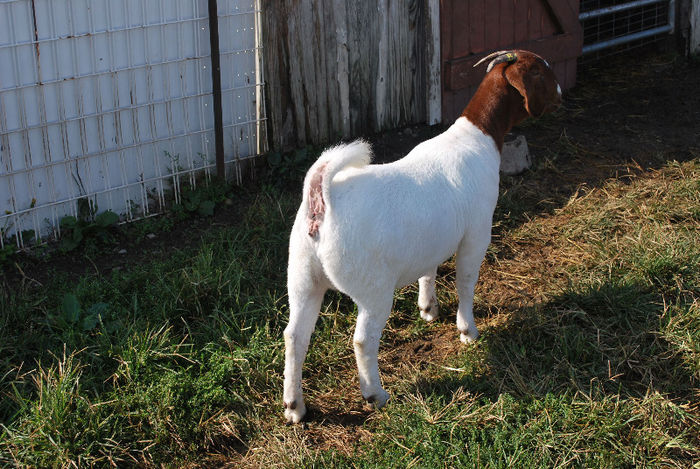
511, 92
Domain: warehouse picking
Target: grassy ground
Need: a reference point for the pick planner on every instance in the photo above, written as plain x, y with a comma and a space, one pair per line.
588, 304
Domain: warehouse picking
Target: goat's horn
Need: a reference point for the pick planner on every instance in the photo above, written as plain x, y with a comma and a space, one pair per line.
490, 56
500, 56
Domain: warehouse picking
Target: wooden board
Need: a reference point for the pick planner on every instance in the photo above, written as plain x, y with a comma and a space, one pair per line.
338, 69
342, 68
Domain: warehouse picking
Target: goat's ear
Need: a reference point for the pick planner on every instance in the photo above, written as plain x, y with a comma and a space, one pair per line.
531, 85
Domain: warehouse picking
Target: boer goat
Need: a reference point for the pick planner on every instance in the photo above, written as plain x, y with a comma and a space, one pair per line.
366, 230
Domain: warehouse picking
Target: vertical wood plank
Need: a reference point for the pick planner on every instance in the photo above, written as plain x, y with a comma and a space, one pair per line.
506, 25
571, 65
550, 24
446, 53
492, 25
319, 75
477, 19
279, 106
433, 58
536, 16
446, 29
457, 18
362, 55
345, 68
296, 66
560, 71
331, 70
521, 20
381, 79
341, 24
415, 62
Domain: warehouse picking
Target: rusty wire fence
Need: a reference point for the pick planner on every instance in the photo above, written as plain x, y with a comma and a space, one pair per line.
107, 105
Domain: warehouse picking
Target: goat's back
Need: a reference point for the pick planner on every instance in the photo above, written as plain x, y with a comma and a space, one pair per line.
400, 219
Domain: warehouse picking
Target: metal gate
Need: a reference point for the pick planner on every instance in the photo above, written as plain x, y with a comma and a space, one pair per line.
612, 23
110, 103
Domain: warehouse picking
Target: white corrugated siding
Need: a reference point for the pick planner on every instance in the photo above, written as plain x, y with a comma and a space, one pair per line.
112, 100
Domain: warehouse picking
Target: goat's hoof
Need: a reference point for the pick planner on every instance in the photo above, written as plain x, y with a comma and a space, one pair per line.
378, 399
430, 312
294, 411
469, 337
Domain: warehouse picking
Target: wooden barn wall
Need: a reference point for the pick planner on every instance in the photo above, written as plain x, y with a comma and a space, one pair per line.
342, 68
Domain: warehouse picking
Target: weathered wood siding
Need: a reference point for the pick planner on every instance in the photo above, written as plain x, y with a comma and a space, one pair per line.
342, 68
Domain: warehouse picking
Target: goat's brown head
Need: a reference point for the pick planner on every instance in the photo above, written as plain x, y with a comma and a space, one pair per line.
517, 84
532, 76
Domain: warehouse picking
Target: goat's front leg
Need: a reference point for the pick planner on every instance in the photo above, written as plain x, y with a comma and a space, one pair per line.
304, 307
371, 319
469, 257
427, 299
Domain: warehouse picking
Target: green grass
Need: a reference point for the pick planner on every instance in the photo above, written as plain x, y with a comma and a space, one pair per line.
594, 363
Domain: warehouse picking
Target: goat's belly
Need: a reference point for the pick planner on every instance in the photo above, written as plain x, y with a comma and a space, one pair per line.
352, 261
422, 264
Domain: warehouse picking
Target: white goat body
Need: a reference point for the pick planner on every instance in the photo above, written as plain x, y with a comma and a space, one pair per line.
366, 230
385, 226
393, 223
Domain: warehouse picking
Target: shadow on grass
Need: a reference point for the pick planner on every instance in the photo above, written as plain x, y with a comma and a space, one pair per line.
608, 338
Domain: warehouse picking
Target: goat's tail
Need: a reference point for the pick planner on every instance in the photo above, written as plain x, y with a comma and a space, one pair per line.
356, 154
318, 180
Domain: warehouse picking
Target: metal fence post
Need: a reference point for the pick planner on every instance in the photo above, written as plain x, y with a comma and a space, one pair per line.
216, 88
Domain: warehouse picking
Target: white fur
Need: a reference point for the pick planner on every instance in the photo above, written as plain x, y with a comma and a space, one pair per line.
386, 226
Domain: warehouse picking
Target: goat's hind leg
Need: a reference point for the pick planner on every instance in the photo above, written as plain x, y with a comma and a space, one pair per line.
427, 299
469, 257
371, 319
305, 298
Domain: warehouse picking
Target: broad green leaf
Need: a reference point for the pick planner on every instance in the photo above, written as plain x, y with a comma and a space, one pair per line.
107, 218
68, 222
70, 308
206, 208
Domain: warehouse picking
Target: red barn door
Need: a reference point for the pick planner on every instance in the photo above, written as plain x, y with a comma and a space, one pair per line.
471, 29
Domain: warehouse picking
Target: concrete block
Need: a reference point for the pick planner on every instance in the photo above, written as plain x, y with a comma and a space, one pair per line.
695, 27
515, 156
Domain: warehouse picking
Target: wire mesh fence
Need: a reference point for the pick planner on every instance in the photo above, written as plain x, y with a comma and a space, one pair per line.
107, 105
617, 25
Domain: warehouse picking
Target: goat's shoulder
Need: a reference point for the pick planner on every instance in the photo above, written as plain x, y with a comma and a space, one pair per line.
466, 131
462, 142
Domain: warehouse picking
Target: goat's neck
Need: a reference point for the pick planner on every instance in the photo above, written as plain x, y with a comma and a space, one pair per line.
495, 108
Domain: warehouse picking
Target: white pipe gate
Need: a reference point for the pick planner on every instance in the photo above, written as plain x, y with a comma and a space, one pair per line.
610, 23
110, 102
